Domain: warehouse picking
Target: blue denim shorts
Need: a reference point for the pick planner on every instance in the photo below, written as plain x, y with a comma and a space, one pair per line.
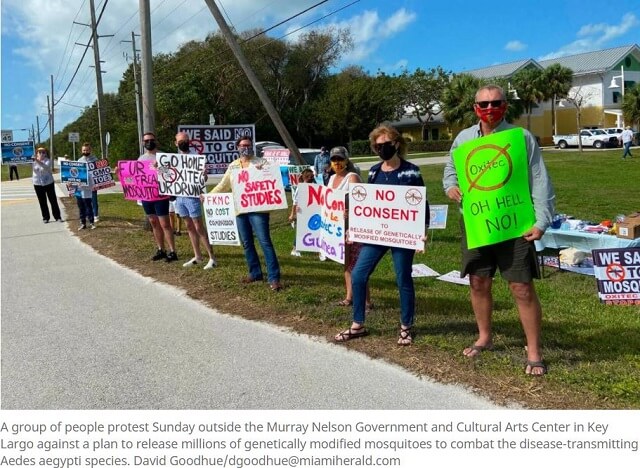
187, 207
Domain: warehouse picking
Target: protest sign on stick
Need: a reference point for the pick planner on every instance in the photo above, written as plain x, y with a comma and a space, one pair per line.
74, 172
100, 172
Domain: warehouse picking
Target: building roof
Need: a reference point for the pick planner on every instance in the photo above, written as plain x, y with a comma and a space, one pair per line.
598, 61
593, 62
503, 69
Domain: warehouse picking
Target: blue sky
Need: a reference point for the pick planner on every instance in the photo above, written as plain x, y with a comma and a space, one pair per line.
38, 38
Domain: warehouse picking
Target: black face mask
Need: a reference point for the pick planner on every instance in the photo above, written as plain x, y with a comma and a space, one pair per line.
86, 154
183, 146
150, 145
387, 150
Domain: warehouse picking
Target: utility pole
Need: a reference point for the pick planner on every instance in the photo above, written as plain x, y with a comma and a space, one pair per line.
255, 82
96, 56
38, 127
148, 101
138, 97
50, 110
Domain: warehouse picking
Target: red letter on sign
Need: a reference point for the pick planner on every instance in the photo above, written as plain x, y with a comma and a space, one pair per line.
385, 195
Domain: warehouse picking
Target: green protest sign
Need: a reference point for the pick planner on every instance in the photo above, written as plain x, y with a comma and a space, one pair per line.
493, 175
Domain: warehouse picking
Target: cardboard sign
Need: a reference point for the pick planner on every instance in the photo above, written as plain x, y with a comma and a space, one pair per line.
493, 174
217, 143
139, 180
100, 172
391, 215
258, 189
320, 226
17, 152
74, 172
618, 275
220, 219
181, 175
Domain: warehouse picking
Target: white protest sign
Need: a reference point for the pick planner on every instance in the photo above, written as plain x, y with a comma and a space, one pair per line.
320, 226
220, 219
454, 277
181, 175
277, 156
618, 275
258, 189
391, 215
421, 270
217, 143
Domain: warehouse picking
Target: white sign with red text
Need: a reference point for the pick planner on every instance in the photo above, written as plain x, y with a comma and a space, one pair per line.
258, 189
220, 219
320, 226
391, 215
277, 156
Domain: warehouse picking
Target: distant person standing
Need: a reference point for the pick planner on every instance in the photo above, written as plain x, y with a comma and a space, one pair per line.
43, 184
89, 157
13, 169
626, 137
322, 165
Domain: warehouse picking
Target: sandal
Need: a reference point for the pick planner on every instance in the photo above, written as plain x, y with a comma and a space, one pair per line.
345, 303
530, 365
405, 338
351, 334
475, 350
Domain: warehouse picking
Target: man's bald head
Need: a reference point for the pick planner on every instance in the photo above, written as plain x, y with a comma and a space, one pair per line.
182, 136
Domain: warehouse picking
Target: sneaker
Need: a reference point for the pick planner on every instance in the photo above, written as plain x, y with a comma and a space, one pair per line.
194, 261
82, 226
45, 221
92, 226
295, 253
59, 220
160, 254
210, 264
171, 257
96, 219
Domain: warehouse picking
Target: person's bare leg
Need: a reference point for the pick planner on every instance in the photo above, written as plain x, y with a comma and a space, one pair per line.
202, 234
168, 232
530, 312
156, 229
482, 304
194, 238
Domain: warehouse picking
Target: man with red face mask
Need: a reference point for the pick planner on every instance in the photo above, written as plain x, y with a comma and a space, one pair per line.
516, 258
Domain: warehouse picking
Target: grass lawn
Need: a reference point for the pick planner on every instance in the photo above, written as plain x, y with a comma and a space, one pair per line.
24, 170
592, 350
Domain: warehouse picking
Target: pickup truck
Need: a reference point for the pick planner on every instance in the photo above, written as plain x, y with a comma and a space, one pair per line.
597, 138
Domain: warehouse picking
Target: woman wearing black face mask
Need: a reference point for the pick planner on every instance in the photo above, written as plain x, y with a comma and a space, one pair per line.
391, 147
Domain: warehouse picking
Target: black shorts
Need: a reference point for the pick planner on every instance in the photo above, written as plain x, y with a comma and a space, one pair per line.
516, 259
156, 208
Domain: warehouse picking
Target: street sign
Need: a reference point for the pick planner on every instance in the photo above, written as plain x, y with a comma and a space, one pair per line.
74, 137
7, 136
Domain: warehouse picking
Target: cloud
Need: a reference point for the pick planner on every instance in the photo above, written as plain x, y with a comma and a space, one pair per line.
515, 46
596, 36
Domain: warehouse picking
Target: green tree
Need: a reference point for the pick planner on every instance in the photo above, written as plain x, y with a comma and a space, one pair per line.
422, 92
631, 106
458, 98
557, 82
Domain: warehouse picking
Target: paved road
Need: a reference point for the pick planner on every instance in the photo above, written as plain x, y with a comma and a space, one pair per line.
81, 332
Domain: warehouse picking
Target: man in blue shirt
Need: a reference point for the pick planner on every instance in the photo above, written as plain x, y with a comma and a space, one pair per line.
322, 165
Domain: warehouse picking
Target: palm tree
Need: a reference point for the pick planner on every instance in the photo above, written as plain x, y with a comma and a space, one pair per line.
458, 99
557, 83
529, 84
631, 106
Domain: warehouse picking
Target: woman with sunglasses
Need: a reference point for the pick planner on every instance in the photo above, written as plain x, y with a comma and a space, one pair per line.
44, 186
391, 147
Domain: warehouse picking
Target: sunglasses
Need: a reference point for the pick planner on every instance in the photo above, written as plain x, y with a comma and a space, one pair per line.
485, 104
386, 144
